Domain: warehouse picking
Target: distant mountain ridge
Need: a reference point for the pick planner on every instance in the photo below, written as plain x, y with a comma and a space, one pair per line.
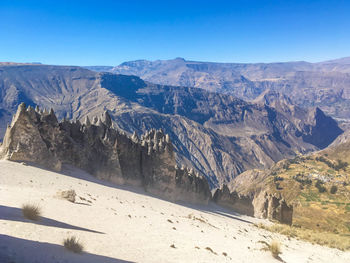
324, 84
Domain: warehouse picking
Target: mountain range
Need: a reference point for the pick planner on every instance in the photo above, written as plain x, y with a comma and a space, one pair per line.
217, 133
324, 84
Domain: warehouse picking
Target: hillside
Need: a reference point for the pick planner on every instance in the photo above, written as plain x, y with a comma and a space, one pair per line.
217, 134
317, 185
121, 224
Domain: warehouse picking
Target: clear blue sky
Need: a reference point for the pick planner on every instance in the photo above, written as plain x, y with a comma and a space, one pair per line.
104, 32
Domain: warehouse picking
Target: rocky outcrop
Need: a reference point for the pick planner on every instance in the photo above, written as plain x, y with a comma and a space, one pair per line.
260, 205
23, 141
95, 146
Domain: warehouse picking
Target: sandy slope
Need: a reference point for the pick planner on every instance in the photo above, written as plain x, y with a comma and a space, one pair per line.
119, 224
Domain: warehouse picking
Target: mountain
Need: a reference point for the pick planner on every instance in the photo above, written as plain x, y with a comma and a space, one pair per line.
99, 68
324, 85
341, 61
217, 134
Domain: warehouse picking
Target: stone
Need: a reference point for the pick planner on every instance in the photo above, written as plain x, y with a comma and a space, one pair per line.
68, 195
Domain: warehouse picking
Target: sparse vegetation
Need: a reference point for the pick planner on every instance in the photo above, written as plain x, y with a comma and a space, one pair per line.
319, 194
341, 165
332, 240
324, 160
32, 212
72, 244
302, 180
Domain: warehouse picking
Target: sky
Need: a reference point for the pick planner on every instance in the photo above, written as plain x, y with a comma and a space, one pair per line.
106, 32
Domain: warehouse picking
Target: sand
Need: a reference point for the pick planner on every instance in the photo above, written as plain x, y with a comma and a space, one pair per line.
123, 224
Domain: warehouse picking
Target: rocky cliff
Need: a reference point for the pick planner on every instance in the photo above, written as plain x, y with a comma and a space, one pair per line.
95, 146
259, 204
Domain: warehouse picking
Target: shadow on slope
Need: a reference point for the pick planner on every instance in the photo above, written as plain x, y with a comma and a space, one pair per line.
211, 208
215, 209
15, 214
20, 250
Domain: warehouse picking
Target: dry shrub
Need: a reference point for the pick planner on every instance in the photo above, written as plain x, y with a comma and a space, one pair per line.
275, 248
73, 244
32, 212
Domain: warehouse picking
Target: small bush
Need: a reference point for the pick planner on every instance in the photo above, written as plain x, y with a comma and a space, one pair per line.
277, 178
275, 248
32, 212
341, 165
334, 189
286, 166
320, 187
302, 180
325, 160
73, 244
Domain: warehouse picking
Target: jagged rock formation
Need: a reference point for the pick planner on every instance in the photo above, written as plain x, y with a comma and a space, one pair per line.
95, 146
37, 136
260, 204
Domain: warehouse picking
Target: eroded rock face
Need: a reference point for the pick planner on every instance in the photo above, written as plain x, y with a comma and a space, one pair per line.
23, 142
260, 205
191, 185
96, 147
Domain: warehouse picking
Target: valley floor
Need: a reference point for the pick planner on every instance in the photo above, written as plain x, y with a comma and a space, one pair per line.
121, 224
